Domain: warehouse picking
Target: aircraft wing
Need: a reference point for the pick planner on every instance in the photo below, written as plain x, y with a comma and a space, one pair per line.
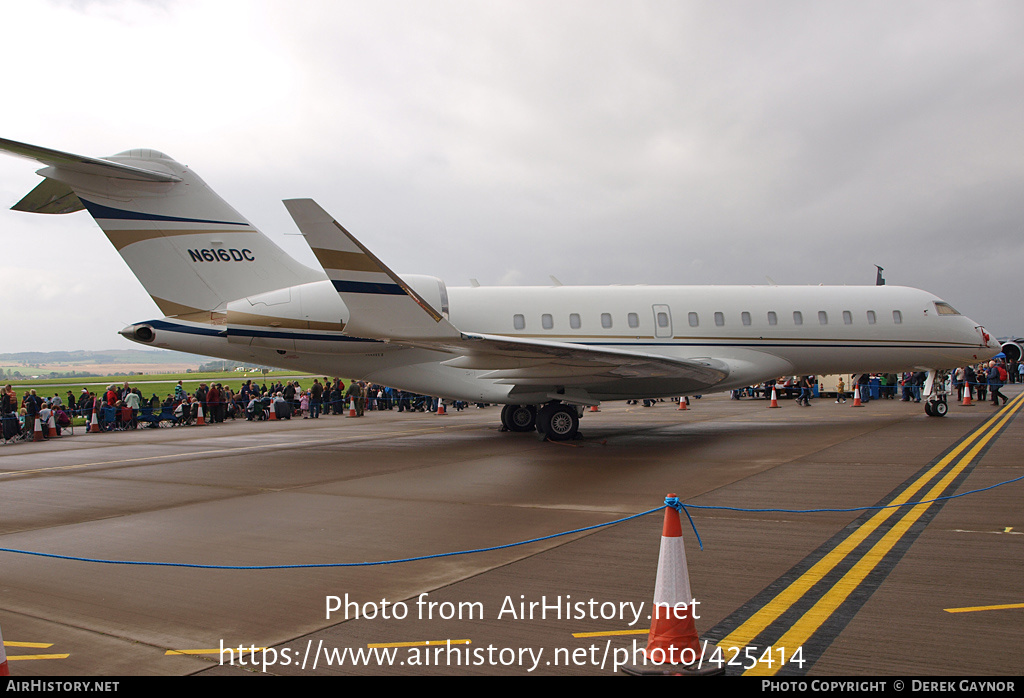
536, 362
382, 306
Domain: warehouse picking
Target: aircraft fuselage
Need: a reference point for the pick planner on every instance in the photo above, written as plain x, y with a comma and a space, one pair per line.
757, 332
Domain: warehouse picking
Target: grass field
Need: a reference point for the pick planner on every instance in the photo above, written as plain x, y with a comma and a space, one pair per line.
159, 384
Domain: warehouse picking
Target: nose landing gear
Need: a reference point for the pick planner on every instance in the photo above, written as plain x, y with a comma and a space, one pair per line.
935, 392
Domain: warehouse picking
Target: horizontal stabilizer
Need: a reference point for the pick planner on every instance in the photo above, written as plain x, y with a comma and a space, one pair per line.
50, 196
191, 251
83, 164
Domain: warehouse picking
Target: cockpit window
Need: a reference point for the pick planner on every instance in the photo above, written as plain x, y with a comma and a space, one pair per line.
945, 308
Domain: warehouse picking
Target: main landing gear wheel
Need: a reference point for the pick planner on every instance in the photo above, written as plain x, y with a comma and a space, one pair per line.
519, 417
938, 408
558, 422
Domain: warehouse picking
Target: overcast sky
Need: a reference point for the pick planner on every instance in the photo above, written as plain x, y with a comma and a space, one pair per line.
601, 142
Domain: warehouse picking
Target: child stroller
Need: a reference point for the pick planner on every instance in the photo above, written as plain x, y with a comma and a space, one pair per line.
12, 428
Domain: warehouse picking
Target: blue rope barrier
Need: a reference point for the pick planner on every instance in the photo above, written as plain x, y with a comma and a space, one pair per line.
670, 502
329, 564
674, 503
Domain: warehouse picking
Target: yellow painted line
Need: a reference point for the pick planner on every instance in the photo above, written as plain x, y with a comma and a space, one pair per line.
743, 635
969, 609
613, 632
215, 651
15, 657
420, 643
33, 645
808, 624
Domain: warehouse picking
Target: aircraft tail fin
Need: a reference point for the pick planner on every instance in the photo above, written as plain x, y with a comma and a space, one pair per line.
191, 251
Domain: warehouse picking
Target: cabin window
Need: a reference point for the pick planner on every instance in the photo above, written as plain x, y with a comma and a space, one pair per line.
822, 317
897, 317
798, 317
519, 322
847, 317
546, 321
773, 319
694, 320
662, 319
719, 319
574, 320
945, 308
606, 320
871, 317
745, 318
634, 320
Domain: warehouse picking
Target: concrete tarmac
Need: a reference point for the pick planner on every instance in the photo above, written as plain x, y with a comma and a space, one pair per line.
855, 594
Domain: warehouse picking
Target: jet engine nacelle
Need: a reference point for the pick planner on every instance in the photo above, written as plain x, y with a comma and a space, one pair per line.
1014, 349
429, 288
304, 317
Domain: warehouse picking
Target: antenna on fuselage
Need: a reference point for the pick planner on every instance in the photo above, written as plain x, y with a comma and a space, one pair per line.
879, 281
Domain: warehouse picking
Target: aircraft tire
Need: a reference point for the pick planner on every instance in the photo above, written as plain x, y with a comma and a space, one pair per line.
519, 417
558, 422
928, 409
939, 409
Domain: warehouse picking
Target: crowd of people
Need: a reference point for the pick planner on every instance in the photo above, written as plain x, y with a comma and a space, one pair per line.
982, 382
125, 407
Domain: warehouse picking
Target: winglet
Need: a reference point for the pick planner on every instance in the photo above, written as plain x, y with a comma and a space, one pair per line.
381, 305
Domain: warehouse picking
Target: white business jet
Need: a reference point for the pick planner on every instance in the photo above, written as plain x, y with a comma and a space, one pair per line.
543, 352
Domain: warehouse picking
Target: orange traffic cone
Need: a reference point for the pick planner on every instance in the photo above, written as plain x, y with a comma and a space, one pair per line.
594, 408
673, 647
4, 671
671, 634
52, 425
775, 398
856, 397
440, 407
352, 407
967, 397
94, 424
200, 420
37, 430
682, 404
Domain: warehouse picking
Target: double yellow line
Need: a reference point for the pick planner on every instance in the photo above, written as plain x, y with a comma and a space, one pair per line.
804, 628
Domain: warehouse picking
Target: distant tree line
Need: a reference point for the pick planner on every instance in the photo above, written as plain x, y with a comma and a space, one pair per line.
217, 366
